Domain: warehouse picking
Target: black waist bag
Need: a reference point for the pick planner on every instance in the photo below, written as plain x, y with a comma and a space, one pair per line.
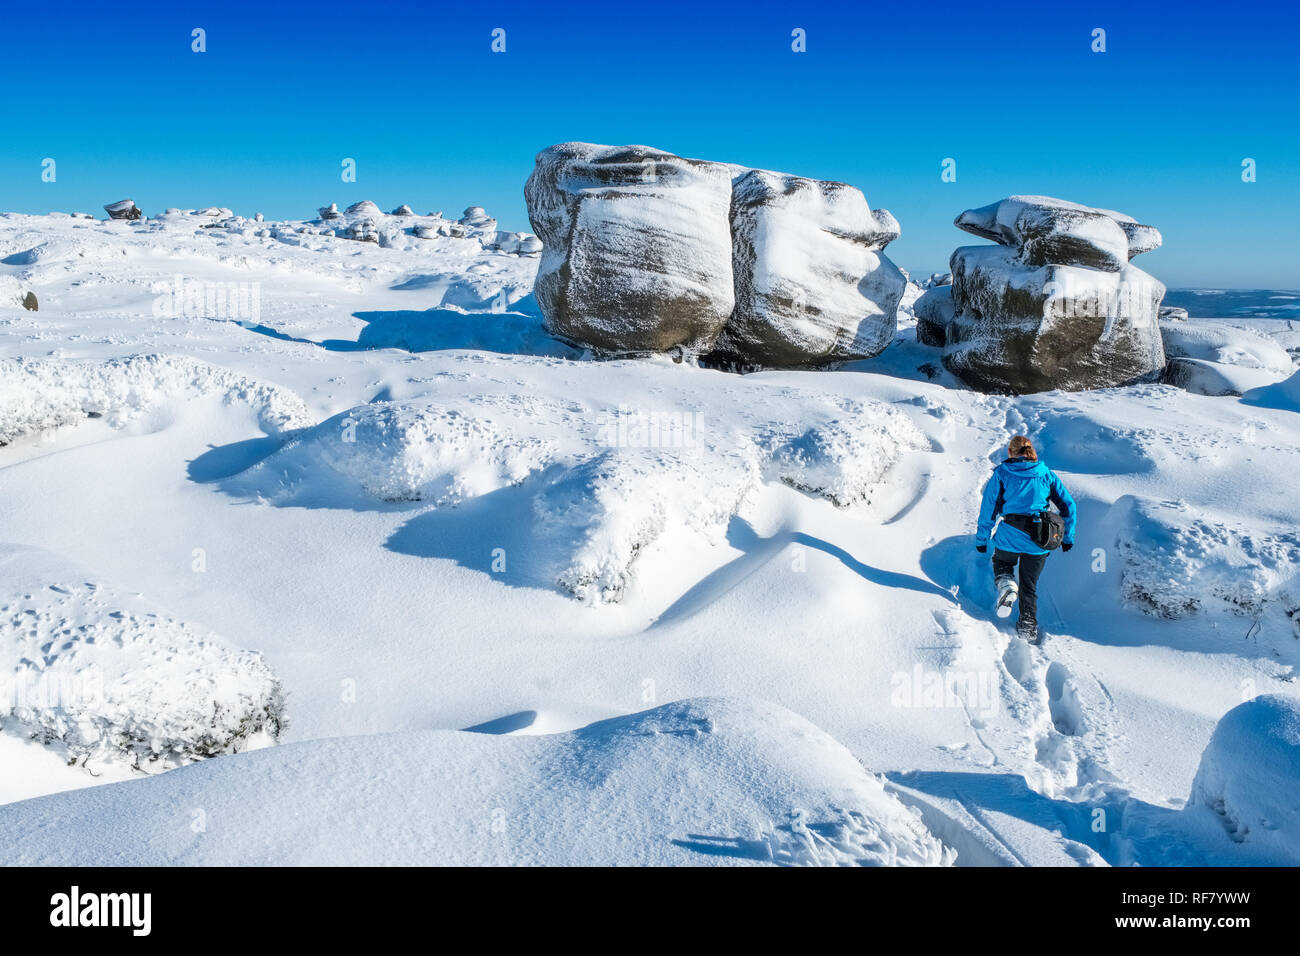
1046, 529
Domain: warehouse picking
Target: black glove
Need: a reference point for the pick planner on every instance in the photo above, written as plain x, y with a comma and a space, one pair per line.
982, 548
1067, 545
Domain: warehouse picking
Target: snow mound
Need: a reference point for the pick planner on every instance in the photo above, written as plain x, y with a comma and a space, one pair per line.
1283, 395
1178, 561
1250, 775
844, 459
37, 395
1224, 344
1201, 377
102, 676
608, 479
697, 782
605, 510
403, 451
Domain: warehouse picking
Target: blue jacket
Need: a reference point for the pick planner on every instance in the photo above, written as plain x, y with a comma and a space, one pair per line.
1022, 487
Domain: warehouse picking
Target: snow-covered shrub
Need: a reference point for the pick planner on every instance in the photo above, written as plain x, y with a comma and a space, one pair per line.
1249, 775
1176, 558
844, 458
104, 676
37, 395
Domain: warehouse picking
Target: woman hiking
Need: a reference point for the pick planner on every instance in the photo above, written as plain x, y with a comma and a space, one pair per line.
1019, 491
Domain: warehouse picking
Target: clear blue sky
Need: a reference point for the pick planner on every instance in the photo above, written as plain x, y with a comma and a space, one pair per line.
1157, 126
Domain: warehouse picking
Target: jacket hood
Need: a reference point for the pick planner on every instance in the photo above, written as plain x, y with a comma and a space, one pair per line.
1023, 466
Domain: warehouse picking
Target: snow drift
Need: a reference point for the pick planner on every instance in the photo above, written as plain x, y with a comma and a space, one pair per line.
609, 479
702, 781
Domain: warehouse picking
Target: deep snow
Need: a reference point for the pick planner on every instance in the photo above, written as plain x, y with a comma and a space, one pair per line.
376, 474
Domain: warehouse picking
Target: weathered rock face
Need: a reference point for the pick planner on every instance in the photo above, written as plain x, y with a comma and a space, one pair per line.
645, 251
30, 303
812, 286
1055, 306
636, 250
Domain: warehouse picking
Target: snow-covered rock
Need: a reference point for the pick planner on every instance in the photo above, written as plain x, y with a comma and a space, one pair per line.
1055, 306
1225, 344
363, 230
636, 247
1249, 777
812, 283
1202, 377
102, 676
123, 209
1215, 358
933, 312
644, 251
1049, 231
696, 782
403, 210
330, 212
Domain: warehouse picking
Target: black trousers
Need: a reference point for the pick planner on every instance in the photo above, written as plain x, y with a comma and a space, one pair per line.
1031, 566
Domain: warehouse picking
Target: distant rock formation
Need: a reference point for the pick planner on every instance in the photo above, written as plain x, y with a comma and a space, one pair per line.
403, 210
644, 251
1055, 305
123, 209
330, 212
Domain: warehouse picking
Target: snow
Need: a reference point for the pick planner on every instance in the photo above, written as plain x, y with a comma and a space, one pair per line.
700, 782
382, 487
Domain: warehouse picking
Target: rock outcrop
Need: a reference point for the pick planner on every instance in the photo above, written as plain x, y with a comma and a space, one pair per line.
644, 251
636, 252
811, 283
1055, 305
123, 209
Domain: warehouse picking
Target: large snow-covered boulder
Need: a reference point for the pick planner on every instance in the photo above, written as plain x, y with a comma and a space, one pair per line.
812, 284
1056, 305
646, 252
636, 247
1249, 776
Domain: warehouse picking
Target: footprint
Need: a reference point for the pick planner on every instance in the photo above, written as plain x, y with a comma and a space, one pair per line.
1063, 701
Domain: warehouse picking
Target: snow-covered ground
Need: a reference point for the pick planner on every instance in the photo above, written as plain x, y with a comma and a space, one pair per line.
263, 487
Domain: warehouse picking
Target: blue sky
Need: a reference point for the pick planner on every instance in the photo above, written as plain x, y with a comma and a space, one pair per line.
1157, 126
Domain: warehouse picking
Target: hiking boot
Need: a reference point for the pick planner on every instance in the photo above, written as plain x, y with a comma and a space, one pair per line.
1028, 632
1008, 591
